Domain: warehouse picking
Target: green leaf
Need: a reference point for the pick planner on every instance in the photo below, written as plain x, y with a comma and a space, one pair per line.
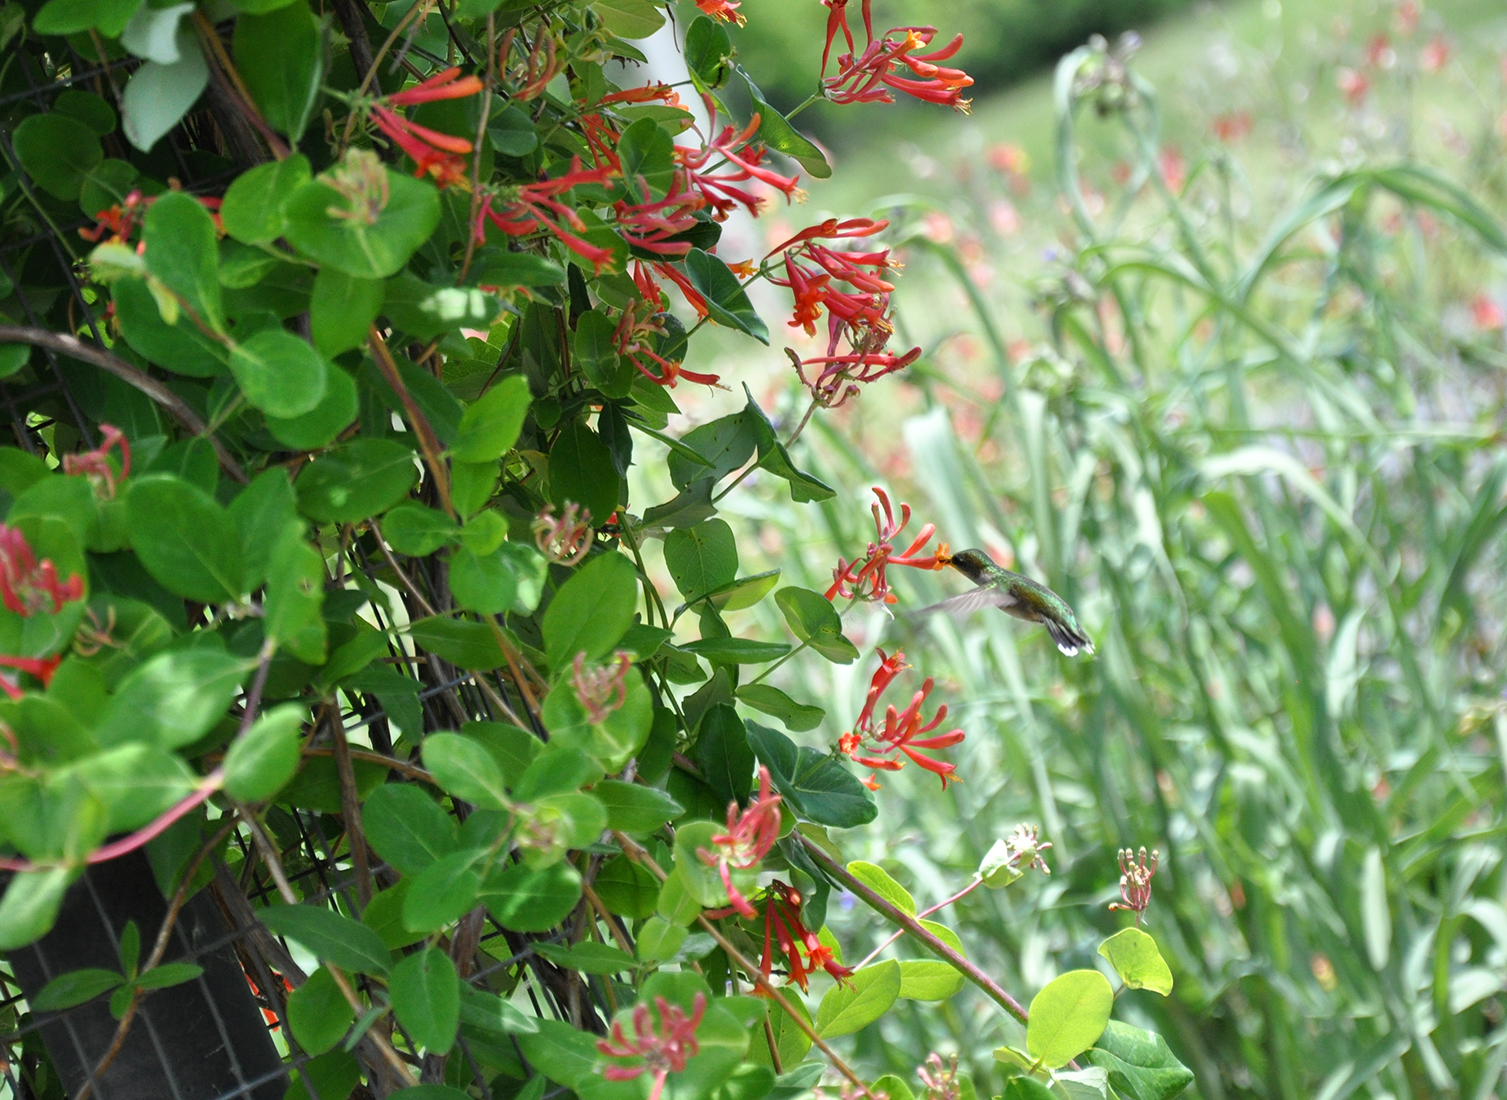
630, 19
723, 752
634, 809
659, 940
563, 1054
279, 373
1068, 1016
30, 906
185, 539
253, 208
1135, 957
707, 51
726, 300
527, 899
812, 618
500, 268
330, 937
295, 598
723, 446
407, 828
893, 1087
318, 1013
373, 249
172, 699
465, 769
702, 559
490, 425
168, 974
490, 1012
179, 347
109, 17
467, 645
74, 988
261, 511
135, 782
483, 583
701, 881
776, 132
320, 426
1375, 915
587, 957
444, 891
817, 786
847, 1008
158, 96
647, 154
342, 309
1027, 1088
591, 612
180, 251
776, 459
1141, 1066
929, 980
335, 1073
425, 996
281, 60
57, 152
262, 760
792, 1043
425, 310
744, 592
736, 651
799, 717
581, 471
362, 478
416, 530
877, 879
627, 889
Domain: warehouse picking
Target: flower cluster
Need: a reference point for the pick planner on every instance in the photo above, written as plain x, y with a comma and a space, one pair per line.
875, 746
518, 211
941, 1079
437, 154
803, 952
96, 466
603, 689
748, 839
29, 587
663, 1050
1135, 881
726, 160
640, 328
563, 539
890, 63
867, 578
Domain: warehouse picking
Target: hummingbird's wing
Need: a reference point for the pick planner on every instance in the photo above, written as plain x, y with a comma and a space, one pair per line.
972, 600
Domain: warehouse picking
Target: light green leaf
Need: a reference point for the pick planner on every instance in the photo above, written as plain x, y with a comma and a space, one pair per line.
877, 879
1135, 957
279, 373
847, 1008
266, 756
158, 96
1068, 1016
425, 996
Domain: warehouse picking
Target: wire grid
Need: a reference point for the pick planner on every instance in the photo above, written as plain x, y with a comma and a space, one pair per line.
446, 698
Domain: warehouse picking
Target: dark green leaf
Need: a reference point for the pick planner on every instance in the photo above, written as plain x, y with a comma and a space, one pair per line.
172, 699
591, 611
491, 1013
342, 309
1141, 1066
648, 159
740, 651
185, 539
581, 471
467, 645
703, 558
279, 373
799, 717
425, 996
444, 891
57, 152
501, 268
320, 426
295, 598
168, 974
109, 17
281, 59
818, 787
726, 300
74, 988
330, 937
587, 957
723, 752
179, 236
253, 208
417, 530
318, 1013
525, 899
360, 479
407, 828
634, 809
776, 459
261, 512
707, 51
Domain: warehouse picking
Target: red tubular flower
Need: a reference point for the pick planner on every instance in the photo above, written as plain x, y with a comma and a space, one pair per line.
431, 151
40, 667
536, 206
639, 328
26, 587
95, 465
833, 230
868, 76
664, 1051
902, 730
602, 689
649, 225
803, 952
725, 160
866, 578
748, 839
662, 92
839, 376
443, 85
725, 10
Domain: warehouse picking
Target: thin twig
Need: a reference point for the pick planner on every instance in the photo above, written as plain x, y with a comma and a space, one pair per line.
428, 442
350, 807
898, 916
75, 348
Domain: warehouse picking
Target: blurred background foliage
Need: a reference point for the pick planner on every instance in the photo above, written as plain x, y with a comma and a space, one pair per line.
1223, 365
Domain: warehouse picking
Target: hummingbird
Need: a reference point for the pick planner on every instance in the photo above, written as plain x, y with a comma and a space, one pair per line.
1014, 595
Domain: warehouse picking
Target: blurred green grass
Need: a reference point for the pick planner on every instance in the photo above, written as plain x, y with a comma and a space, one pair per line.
1248, 421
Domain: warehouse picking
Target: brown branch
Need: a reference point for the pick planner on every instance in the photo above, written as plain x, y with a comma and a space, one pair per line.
428, 442
75, 348
350, 807
898, 916
224, 68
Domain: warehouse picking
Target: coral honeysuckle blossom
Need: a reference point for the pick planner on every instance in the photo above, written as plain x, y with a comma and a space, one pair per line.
29, 587
437, 154
725, 10
859, 315
803, 951
902, 732
536, 206
869, 76
663, 1050
866, 578
728, 159
749, 837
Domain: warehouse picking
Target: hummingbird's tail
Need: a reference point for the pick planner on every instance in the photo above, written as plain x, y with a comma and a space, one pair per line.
1069, 637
